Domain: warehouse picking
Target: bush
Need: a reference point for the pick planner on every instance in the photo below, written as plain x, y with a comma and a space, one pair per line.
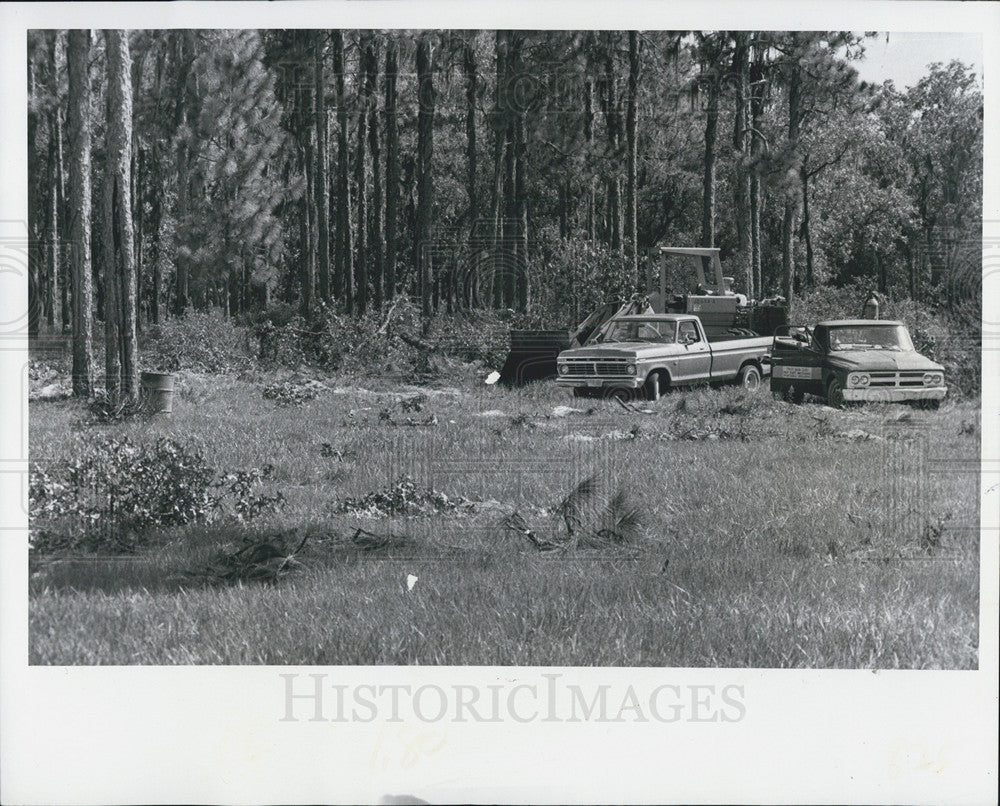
111, 490
580, 277
204, 341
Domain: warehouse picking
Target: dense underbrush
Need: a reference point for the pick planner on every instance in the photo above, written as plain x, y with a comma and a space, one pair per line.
394, 342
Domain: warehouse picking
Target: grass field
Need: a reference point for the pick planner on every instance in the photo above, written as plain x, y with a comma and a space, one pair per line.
773, 535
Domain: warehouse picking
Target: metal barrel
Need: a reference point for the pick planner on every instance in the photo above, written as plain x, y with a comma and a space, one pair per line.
158, 391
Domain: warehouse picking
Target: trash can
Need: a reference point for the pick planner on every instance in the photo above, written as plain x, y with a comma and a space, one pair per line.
158, 391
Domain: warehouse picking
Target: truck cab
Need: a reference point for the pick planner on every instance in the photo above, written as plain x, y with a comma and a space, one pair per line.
854, 360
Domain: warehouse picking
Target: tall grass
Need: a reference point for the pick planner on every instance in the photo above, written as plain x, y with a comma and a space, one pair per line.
774, 535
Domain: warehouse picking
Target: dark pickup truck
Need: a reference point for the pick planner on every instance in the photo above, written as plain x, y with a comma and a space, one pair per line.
854, 360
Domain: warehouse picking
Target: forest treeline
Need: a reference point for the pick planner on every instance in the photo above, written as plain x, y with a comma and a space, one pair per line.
335, 170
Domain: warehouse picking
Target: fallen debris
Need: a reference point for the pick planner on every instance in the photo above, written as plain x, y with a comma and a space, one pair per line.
288, 393
404, 497
369, 541
859, 435
265, 559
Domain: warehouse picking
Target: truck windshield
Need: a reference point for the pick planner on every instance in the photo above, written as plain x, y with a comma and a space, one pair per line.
870, 337
638, 330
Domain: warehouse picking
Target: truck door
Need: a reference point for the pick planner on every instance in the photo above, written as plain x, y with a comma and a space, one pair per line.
695, 363
796, 362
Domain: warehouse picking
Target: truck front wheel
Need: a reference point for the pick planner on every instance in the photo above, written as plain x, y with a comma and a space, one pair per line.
835, 393
749, 378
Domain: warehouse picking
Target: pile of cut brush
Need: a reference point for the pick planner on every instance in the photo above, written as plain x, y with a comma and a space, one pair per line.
405, 497
258, 559
593, 516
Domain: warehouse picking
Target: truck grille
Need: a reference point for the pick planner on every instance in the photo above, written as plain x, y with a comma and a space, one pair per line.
583, 367
896, 378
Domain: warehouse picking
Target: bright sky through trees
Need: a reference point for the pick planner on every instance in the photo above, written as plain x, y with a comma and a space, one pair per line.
903, 57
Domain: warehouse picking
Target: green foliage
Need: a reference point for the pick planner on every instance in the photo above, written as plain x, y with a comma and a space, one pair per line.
204, 341
111, 490
574, 279
236, 146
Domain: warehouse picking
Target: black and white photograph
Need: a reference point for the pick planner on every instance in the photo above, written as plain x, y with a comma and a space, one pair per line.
447, 379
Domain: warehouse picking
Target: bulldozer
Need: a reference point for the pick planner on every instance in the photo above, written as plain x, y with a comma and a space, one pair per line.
709, 295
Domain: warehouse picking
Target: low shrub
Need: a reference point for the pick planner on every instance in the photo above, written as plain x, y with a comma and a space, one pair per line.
204, 341
110, 491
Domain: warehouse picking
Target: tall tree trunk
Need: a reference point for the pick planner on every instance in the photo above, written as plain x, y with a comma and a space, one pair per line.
322, 183
520, 166
632, 136
708, 175
788, 220
375, 215
345, 248
588, 133
308, 264
138, 223
500, 129
509, 231
65, 276
804, 177
184, 57
425, 166
53, 310
756, 150
156, 250
471, 89
78, 60
118, 205
615, 238
35, 213
741, 157
360, 177
53, 313
391, 163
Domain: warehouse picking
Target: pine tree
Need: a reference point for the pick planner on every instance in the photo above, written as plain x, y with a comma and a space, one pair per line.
120, 302
425, 166
78, 58
391, 163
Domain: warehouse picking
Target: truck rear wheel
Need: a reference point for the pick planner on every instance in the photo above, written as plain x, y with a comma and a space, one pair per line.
749, 378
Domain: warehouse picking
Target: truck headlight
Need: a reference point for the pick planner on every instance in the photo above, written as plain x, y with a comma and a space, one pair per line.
563, 369
858, 379
933, 379
630, 369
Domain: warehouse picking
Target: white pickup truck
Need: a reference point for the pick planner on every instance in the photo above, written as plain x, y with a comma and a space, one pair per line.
653, 352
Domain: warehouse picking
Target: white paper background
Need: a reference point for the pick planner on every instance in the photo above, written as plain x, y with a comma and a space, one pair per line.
203, 734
